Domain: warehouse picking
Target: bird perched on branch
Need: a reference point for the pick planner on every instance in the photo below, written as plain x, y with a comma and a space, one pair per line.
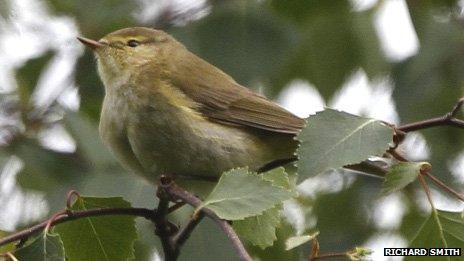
166, 110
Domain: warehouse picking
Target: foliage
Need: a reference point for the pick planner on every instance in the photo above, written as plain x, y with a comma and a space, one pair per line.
334, 139
401, 174
46, 247
264, 45
441, 229
103, 238
240, 194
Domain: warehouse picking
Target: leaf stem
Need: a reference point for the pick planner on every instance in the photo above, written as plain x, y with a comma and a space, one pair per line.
448, 119
163, 230
176, 192
444, 186
434, 210
148, 214
329, 255
182, 236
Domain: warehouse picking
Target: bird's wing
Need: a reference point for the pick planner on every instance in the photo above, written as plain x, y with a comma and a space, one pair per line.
258, 112
220, 98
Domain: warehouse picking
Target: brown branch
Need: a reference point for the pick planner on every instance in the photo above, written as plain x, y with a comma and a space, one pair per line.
329, 255
429, 198
148, 214
171, 238
182, 236
426, 189
176, 206
444, 186
178, 193
448, 119
163, 230
397, 155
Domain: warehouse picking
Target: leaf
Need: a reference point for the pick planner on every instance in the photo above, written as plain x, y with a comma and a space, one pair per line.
8, 247
240, 194
259, 230
278, 177
401, 174
99, 238
441, 229
277, 250
297, 241
359, 253
333, 139
46, 247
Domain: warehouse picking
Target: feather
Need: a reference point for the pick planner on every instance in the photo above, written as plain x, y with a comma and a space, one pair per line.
223, 100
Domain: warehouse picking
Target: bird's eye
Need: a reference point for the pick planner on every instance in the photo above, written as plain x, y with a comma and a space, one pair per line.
133, 43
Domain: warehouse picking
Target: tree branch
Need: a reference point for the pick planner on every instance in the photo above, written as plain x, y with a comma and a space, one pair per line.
163, 229
182, 236
329, 255
444, 186
178, 193
148, 214
448, 119
171, 238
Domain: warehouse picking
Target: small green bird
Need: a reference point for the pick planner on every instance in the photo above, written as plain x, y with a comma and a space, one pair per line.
167, 111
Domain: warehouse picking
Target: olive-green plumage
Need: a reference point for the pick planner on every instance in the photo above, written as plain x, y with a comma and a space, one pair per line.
168, 111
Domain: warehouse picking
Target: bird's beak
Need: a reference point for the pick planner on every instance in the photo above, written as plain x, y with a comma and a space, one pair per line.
90, 43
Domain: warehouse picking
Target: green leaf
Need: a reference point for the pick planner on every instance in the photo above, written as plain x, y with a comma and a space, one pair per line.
8, 247
240, 194
359, 253
46, 247
441, 229
259, 230
278, 177
277, 250
297, 241
99, 238
401, 174
333, 139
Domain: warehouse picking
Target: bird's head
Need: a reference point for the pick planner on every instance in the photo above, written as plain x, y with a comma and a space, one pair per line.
123, 52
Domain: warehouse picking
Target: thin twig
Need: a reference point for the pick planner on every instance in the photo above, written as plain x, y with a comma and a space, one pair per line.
434, 210
9, 255
314, 249
163, 229
182, 236
176, 206
444, 186
427, 190
329, 255
368, 169
448, 119
178, 193
148, 214
397, 156
52, 219
70, 197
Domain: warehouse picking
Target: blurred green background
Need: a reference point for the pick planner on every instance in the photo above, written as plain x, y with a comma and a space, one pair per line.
399, 61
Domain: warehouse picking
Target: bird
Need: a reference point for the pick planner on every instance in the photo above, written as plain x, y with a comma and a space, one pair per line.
168, 111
